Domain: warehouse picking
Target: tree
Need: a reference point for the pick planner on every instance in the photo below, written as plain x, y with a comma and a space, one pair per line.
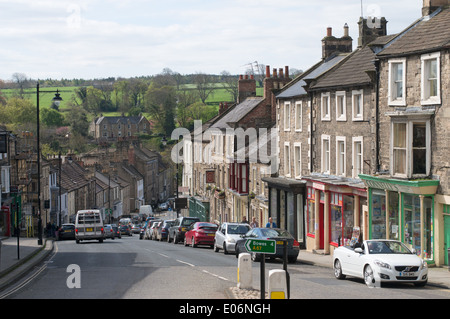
205, 86
51, 117
161, 103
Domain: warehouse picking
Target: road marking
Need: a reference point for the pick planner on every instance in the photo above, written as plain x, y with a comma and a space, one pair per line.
183, 262
163, 255
217, 276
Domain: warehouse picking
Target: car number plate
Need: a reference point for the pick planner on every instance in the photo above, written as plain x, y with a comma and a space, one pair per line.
183, 229
211, 234
407, 274
280, 242
89, 229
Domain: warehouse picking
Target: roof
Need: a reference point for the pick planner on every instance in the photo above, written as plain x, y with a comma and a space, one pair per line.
297, 86
120, 119
238, 112
428, 34
351, 72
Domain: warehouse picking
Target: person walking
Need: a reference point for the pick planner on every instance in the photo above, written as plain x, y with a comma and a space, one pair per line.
254, 223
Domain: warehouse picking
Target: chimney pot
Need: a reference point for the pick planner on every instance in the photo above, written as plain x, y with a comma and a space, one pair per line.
329, 32
267, 71
275, 75
280, 72
346, 30
286, 71
240, 77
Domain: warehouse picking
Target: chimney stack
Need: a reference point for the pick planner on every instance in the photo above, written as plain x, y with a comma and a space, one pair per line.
332, 45
429, 6
246, 87
370, 29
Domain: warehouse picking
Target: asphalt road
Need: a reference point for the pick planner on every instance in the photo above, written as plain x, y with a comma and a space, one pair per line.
130, 268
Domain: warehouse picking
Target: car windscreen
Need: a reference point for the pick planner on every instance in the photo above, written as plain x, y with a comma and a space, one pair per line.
387, 247
188, 221
238, 229
272, 233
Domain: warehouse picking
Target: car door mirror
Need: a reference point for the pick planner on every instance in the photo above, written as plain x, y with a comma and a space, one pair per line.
359, 250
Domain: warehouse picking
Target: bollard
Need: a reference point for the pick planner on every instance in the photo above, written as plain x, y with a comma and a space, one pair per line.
277, 284
244, 273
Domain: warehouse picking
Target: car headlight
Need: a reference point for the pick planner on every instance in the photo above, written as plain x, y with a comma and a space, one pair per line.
382, 264
424, 265
231, 240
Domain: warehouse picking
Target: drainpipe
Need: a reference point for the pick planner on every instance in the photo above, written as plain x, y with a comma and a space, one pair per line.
376, 62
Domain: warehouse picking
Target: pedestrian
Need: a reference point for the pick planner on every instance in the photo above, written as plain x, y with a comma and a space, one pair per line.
254, 223
244, 220
271, 224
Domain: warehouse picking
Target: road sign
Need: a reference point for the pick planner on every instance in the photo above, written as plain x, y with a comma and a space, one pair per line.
261, 246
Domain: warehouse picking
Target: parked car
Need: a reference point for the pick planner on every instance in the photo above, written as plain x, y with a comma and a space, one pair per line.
135, 228
277, 234
163, 230
109, 232
227, 235
163, 206
177, 231
67, 231
200, 233
380, 261
142, 231
125, 230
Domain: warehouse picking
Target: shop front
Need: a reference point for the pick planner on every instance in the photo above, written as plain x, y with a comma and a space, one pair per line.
403, 210
334, 209
286, 205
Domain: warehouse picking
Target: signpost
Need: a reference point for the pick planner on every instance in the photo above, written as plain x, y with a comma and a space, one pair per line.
263, 247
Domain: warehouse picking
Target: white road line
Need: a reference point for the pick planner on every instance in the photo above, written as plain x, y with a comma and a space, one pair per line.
183, 262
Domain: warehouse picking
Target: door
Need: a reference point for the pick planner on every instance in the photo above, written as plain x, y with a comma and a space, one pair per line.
446, 237
321, 228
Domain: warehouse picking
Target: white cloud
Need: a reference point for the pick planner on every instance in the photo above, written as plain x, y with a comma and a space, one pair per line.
102, 38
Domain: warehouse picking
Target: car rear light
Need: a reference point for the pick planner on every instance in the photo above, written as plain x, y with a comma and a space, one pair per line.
296, 243
76, 230
101, 229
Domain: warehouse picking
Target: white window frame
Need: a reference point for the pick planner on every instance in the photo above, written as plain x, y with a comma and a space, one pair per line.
5, 180
357, 140
325, 155
357, 116
409, 147
287, 159
287, 116
325, 109
341, 117
426, 99
393, 99
298, 159
298, 116
341, 157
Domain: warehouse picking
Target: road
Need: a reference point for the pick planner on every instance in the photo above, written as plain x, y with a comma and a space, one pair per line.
130, 268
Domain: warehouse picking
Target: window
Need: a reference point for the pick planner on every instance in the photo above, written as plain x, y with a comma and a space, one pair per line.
298, 116
298, 160
326, 154
325, 106
357, 160
397, 79
340, 156
287, 159
411, 148
287, 116
431, 79
399, 148
5, 179
341, 107
357, 105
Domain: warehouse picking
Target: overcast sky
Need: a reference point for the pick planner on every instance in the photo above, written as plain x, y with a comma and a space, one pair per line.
126, 38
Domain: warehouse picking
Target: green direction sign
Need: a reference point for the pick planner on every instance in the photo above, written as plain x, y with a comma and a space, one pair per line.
261, 246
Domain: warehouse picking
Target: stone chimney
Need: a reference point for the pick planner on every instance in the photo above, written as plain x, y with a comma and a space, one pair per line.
332, 45
429, 6
273, 83
370, 29
246, 87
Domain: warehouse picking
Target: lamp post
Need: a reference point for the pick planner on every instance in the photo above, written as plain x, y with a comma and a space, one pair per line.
57, 100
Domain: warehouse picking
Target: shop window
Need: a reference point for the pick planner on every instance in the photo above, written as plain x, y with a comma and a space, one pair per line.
378, 230
311, 217
394, 229
336, 223
411, 222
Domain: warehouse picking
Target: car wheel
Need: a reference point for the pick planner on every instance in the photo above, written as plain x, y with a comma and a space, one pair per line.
338, 270
225, 251
369, 278
175, 241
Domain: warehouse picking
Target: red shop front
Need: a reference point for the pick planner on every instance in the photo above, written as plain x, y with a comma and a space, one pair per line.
334, 208
5, 221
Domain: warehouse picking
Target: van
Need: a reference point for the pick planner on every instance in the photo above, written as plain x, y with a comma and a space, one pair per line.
89, 225
146, 210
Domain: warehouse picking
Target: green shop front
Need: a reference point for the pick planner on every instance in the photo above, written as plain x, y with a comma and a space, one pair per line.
199, 207
403, 210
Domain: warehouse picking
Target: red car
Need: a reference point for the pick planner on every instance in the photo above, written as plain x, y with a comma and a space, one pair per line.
200, 233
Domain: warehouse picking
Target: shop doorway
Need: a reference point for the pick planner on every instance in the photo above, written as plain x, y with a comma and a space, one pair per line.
447, 237
321, 228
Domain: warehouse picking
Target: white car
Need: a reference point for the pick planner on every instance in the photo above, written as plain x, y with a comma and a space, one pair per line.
380, 261
228, 234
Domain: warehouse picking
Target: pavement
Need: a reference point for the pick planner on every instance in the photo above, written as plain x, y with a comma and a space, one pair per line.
31, 255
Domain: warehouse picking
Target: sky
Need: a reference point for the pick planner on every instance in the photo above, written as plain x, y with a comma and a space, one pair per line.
94, 39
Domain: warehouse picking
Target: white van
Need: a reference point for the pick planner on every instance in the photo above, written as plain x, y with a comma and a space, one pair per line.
89, 225
146, 209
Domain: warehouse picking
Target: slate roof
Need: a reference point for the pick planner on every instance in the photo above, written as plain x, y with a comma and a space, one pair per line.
428, 34
238, 112
119, 119
297, 86
350, 72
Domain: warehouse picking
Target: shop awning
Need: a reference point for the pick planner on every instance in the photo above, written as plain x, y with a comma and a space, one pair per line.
418, 187
290, 185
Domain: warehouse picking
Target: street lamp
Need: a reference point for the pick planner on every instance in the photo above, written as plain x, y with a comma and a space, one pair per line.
56, 100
